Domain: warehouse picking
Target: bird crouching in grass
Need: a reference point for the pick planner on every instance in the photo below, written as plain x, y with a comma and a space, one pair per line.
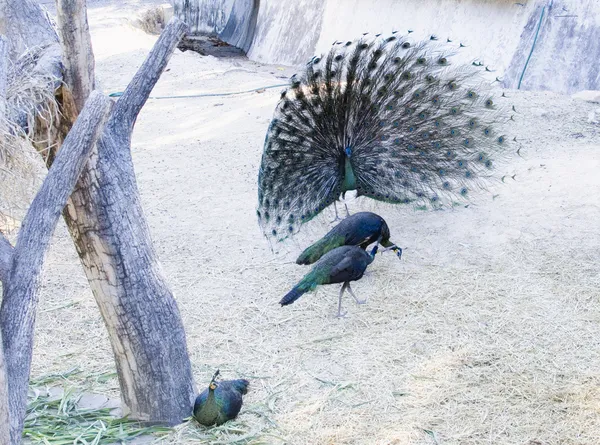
220, 402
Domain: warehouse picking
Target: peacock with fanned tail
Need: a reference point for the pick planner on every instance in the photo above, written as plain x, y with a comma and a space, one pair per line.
393, 119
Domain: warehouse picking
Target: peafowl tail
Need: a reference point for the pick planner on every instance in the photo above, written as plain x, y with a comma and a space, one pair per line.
305, 285
241, 385
392, 118
292, 295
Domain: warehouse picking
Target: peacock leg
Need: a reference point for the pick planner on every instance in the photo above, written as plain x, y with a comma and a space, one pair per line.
339, 314
337, 217
357, 300
345, 205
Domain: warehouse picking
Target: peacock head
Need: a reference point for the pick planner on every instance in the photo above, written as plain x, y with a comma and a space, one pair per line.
213, 382
398, 252
348, 151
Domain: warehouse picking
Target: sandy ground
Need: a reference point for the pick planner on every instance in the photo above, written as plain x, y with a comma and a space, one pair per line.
487, 331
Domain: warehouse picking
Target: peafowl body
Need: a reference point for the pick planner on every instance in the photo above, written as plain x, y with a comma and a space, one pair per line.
220, 402
393, 119
340, 265
360, 229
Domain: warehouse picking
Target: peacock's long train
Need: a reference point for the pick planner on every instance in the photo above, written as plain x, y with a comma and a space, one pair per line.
394, 120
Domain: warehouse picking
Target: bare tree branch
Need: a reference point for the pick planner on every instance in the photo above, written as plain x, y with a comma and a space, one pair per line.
78, 58
6, 253
135, 95
20, 295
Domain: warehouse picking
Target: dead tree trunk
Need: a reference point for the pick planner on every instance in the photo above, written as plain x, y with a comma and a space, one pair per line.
5, 262
6, 252
20, 285
107, 223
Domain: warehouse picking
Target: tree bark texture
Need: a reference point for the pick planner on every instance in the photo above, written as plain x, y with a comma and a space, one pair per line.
6, 252
78, 58
107, 223
6, 249
27, 25
4, 412
20, 292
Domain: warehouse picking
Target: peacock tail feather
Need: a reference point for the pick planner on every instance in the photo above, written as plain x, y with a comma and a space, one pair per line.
393, 119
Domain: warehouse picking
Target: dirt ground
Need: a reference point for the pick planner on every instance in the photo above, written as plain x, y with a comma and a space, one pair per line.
487, 331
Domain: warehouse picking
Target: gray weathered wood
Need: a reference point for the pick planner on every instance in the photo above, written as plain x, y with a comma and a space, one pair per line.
4, 411
6, 252
6, 249
137, 92
26, 24
106, 221
27, 27
108, 225
20, 292
78, 58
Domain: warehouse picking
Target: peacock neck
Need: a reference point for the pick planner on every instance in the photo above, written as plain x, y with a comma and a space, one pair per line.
372, 255
211, 397
349, 178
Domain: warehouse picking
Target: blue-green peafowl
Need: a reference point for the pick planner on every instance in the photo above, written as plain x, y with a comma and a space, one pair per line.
340, 265
393, 119
360, 229
220, 402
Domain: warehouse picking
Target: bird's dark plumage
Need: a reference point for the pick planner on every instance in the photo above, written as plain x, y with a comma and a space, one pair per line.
220, 402
340, 265
360, 229
388, 117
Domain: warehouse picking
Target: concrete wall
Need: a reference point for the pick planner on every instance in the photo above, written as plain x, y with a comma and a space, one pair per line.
241, 24
490, 29
566, 56
287, 31
500, 33
204, 16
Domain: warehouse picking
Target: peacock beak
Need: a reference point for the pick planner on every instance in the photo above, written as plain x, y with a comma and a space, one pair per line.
399, 253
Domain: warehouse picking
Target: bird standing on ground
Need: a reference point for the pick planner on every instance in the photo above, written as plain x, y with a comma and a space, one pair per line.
220, 402
360, 229
392, 118
340, 265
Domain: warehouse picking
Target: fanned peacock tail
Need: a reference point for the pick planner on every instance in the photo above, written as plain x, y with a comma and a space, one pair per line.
392, 119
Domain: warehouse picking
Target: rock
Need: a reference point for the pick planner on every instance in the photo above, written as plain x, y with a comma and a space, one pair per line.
588, 96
